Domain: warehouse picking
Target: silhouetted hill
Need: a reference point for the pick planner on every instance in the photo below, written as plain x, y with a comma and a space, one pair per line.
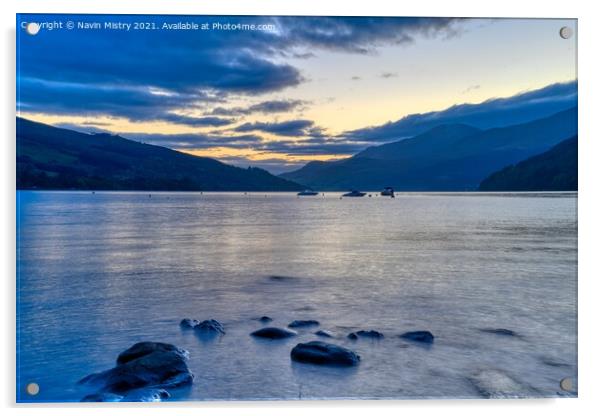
446, 158
55, 158
554, 170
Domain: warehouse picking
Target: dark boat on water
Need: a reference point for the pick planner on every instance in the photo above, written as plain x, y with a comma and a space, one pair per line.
354, 194
307, 192
388, 191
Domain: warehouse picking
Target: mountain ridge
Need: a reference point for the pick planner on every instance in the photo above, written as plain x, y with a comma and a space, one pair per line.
459, 163
50, 157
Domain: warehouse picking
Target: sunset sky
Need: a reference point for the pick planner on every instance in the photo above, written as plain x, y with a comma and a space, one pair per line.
302, 90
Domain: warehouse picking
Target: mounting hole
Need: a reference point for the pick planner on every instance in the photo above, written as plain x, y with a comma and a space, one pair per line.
32, 389
566, 32
566, 384
32, 28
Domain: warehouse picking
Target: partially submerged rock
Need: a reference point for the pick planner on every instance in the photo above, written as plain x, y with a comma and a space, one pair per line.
419, 336
265, 319
303, 323
146, 395
322, 353
138, 395
365, 334
496, 384
144, 365
187, 323
273, 333
322, 333
210, 327
499, 331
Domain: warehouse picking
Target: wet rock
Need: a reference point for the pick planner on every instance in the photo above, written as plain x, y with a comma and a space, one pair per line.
499, 331
273, 333
303, 323
322, 333
188, 323
146, 395
365, 334
102, 397
496, 384
322, 353
419, 336
144, 365
210, 327
145, 348
265, 319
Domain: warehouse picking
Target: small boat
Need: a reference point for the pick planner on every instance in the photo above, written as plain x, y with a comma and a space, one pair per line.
388, 191
354, 194
307, 192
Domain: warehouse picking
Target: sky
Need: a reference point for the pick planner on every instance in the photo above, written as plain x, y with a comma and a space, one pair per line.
288, 90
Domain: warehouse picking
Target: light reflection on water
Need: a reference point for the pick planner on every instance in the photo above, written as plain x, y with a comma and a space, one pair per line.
99, 272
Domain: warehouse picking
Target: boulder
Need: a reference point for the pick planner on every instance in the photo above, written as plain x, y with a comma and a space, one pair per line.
365, 334
144, 365
210, 327
325, 334
188, 323
273, 333
419, 336
265, 319
322, 353
303, 323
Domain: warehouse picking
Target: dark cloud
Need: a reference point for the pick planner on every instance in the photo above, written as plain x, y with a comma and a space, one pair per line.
114, 69
265, 107
296, 128
362, 34
496, 112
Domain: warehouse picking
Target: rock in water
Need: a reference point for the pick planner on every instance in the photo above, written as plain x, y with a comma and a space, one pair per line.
419, 336
496, 384
322, 353
273, 333
145, 348
146, 395
303, 323
188, 323
500, 331
210, 327
265, 319
322, 333
144, 365
365, 334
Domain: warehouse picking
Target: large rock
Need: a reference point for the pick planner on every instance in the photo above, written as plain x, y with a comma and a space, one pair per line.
303, 323
273, 333
419, 336
322, 353
210, 327
365, 334
144, 365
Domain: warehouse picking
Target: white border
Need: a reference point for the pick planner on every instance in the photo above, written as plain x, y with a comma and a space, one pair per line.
589, 201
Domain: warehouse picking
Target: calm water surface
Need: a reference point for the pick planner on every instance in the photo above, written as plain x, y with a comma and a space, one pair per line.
100, 272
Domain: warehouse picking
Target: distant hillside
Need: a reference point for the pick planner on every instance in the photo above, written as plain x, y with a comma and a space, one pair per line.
54, 158
554, 170
452, 157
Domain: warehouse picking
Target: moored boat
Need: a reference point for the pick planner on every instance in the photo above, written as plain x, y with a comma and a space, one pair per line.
354, 194
307, 192
388, 191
